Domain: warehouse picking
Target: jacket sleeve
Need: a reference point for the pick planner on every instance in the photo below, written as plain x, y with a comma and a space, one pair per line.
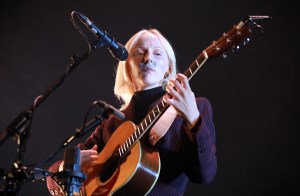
101, 134
201, 164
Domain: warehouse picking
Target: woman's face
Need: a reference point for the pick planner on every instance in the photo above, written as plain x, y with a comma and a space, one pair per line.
148, 62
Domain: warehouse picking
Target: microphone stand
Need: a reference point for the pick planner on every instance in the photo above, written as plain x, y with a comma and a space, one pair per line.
20, 126
70, 179
20, 123
89, 126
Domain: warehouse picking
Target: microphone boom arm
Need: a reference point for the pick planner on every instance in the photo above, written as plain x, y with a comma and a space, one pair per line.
18, 125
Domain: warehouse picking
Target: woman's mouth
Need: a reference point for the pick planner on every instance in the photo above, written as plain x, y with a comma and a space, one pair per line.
146, 71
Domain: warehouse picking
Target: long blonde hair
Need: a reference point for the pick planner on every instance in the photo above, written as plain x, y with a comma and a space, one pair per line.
124, 88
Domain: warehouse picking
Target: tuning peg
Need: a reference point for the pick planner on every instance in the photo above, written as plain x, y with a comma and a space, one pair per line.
235, 48
246, 40
224, 56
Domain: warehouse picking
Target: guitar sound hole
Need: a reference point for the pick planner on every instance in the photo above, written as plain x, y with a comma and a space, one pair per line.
109, 168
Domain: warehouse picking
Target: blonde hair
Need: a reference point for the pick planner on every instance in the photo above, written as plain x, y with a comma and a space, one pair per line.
124, 88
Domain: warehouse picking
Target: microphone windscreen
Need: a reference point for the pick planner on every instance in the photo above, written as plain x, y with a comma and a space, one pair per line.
72, 159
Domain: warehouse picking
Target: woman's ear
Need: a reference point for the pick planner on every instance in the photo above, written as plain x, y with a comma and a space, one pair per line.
167, 74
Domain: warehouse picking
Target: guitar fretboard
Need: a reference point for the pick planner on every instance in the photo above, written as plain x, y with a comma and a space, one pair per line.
196, 65
142, 128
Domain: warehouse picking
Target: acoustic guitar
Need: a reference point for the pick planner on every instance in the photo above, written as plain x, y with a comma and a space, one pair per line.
128, 167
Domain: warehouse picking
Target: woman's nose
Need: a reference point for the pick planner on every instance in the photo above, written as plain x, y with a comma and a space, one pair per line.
148, 57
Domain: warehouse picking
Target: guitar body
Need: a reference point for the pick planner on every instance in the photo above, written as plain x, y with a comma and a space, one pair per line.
142, 164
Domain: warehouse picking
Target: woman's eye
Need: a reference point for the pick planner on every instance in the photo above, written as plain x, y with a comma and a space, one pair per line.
138, 53
158, 52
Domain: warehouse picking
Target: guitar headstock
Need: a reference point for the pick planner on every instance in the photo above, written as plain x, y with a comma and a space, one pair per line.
231, 39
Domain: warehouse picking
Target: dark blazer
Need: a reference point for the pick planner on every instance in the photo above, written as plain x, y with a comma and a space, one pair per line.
181, 158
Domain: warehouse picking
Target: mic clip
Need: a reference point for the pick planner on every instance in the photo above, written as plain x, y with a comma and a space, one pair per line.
105, 40
116, 50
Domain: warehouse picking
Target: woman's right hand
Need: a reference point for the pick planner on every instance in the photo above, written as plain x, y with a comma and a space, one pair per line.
88, 158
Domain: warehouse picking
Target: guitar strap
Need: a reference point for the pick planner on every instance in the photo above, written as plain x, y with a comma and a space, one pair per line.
162, 125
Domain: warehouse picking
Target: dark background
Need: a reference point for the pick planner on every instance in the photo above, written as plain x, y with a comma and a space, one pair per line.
253, 92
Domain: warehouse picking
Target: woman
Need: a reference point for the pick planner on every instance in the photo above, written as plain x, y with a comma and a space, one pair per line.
187, 150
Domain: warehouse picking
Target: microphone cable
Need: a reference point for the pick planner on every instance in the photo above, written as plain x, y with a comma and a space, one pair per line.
85, 37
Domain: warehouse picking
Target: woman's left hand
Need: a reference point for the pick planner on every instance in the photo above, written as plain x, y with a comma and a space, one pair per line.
182, 99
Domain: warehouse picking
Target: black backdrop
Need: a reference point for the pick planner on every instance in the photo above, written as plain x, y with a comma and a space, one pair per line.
253, 92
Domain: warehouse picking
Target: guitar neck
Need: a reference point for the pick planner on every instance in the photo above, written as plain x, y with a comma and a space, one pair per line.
196, 65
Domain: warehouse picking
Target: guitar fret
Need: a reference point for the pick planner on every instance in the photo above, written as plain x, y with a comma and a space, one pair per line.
146, 122
135, 135
126, 144
191, 71
129, 142
142, 126
197, 63
158, 108
154, 115
122, 149
139, 131
132, 138
120, 154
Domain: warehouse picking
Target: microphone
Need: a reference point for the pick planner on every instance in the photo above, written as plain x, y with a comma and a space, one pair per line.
108, 109
117, 50
71, 175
